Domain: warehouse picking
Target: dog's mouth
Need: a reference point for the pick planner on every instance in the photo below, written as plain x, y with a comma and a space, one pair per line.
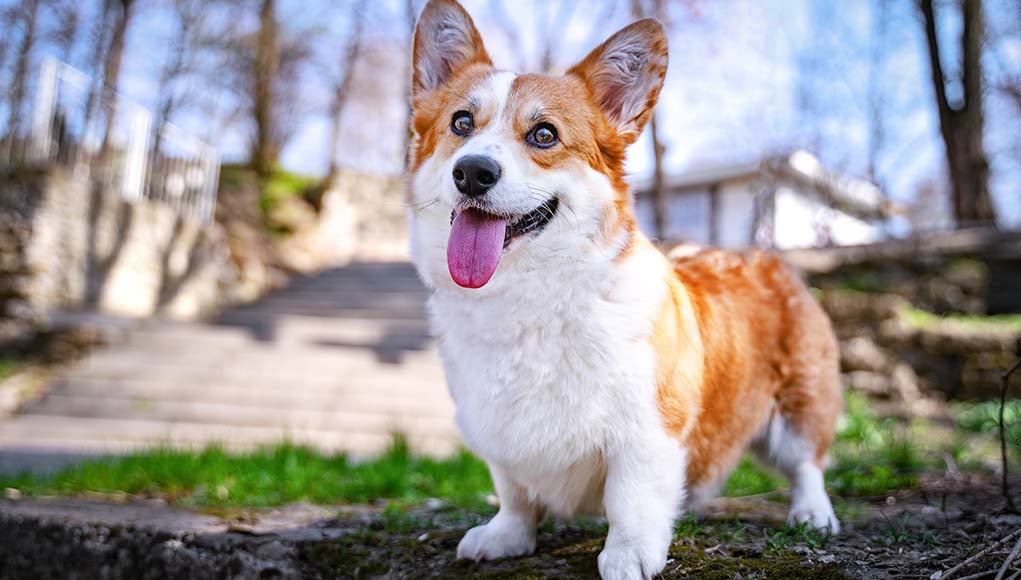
478, 238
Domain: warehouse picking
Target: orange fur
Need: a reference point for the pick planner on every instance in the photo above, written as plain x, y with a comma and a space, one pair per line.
766, 347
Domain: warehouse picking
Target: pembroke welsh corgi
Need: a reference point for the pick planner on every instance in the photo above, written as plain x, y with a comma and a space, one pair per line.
591, 373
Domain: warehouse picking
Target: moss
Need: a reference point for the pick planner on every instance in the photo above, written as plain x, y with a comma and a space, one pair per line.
864, 281
691, 562
923, 319
282, 184
233, 175
8, 367
369, 553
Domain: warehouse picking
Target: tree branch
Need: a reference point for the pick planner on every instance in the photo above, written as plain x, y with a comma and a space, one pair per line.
1005, 484
938, 78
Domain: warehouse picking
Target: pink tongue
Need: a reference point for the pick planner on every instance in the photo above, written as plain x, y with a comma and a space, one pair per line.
474, 247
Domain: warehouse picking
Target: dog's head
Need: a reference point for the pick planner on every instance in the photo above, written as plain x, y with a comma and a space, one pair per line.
509, 168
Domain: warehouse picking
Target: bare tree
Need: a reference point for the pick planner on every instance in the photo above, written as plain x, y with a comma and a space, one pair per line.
961, 121
64, 34
192, 36
549, 38
342, 86
261, 68
410, 17
265, 150
28, 18
875, 97
554, 32
510, 32
115, 52
657, 193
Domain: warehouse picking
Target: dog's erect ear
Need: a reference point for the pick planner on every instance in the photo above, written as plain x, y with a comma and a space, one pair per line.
625, 74
446, 40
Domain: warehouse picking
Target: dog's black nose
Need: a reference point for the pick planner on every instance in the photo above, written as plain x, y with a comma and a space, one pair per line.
475, 174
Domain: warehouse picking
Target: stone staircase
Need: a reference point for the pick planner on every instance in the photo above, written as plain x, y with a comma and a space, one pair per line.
340, 361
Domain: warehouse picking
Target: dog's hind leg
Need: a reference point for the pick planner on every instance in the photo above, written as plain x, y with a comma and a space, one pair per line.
783, 447
798, 434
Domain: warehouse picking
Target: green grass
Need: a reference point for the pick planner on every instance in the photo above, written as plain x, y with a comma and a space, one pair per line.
272, 476
282, 184
782, 539
923, 319
8, 367
984, 418
872, 457
749, 479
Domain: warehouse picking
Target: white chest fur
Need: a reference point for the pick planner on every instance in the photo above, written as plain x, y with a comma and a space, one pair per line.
547, 369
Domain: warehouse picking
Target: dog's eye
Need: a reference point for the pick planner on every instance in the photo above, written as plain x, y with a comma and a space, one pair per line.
462, 123
543, 136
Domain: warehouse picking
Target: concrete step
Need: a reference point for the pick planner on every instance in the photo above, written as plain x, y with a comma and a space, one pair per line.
89, 436
340, 360
390, 388
334, 417
258, 364
420, 400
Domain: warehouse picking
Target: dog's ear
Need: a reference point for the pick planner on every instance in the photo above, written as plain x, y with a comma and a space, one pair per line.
625, 75
446, 40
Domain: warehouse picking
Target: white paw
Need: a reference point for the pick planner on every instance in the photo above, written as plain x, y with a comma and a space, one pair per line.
500, 538
631, 561
819, 515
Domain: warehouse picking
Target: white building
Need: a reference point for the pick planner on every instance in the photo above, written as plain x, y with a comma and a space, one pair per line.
782, 202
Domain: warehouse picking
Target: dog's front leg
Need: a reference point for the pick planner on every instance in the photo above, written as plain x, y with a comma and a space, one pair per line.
643, 493
511, 532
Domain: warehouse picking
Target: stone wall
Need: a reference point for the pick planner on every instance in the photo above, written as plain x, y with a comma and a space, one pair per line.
70, 244
911, 315
887, 353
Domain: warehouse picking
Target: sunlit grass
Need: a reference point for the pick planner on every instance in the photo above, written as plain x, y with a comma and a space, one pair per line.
871, 456
918, 318
272, 476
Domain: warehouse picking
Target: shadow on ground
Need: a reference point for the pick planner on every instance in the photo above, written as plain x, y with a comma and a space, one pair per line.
387, 293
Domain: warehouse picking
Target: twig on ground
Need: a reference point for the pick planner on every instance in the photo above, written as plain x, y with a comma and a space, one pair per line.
977, 575
948, 573
1010, 560
1005, 484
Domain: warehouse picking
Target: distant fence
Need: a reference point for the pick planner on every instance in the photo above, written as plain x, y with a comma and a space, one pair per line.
98, 133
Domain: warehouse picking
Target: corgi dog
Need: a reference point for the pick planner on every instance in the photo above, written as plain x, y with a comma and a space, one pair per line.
590, 372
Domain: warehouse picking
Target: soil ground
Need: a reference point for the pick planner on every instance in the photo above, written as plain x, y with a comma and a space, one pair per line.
909, 534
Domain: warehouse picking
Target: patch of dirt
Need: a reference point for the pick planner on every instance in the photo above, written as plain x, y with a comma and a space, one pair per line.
910, 534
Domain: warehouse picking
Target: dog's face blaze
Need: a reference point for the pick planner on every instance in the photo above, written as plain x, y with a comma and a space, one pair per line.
505, 165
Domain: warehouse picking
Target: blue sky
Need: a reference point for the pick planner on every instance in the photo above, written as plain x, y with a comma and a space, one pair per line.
747, 78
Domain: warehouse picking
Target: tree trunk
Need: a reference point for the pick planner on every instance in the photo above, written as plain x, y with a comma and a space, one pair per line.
342, 91
657, 193
410, 13
24, 57
114, 56
112, 70
264, 155
961, 123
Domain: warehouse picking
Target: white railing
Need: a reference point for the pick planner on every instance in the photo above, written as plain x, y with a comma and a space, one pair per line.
98, 133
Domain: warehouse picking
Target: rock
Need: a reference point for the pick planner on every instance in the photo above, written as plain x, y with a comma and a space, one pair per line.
873, 384
863, 354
